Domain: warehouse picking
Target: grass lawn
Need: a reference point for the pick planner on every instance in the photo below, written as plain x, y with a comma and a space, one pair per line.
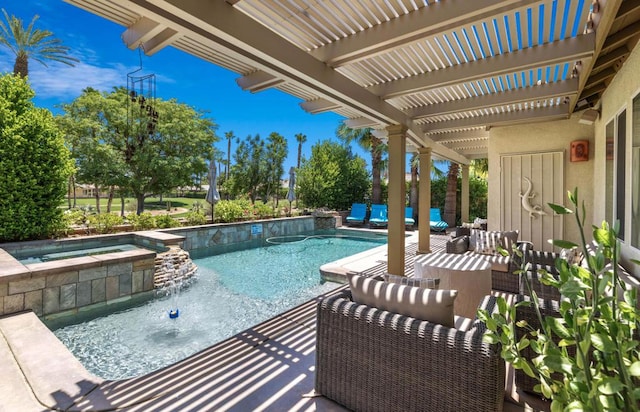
150, 204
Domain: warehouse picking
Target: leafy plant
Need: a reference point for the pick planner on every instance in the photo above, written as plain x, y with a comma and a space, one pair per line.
105, 222
143, 221
263, 210
166, 221
598, 323
35, 165
196, 218
228, 211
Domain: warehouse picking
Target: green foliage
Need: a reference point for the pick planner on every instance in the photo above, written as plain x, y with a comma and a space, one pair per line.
332, 177
599, 321
76, 216
228, 211
165, 221
196, 218
34, 165
109, 137
478, 189
105, 222
143, 221
263, 210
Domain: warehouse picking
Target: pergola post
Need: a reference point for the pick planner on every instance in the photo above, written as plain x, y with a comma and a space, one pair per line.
464, 201
424, 228
397, 198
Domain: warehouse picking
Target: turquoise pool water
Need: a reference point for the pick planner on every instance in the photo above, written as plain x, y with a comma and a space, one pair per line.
233, 291
77, 253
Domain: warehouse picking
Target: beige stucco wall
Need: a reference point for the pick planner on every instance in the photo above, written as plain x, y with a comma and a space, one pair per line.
618, 96
537, 138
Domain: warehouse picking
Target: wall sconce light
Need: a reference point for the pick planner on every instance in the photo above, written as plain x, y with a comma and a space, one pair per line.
589, 116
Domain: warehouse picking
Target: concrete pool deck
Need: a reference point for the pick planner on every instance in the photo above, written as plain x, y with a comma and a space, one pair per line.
267, 367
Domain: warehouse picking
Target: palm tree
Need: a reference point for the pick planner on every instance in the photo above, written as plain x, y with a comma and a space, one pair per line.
29, 43
413, 192
229, 135
451, 197
365, 139
300, 138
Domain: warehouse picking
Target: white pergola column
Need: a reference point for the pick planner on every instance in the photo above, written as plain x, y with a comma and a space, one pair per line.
464, 201
397, 198
424, 200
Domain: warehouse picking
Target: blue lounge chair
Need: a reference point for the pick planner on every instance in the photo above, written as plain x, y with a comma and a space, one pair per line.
378, 216
358, 214
436, 222
408, 217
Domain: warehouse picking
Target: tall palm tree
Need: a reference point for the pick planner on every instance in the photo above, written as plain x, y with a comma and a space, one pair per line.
229, 135
30, 43
451, 196
300, 138
413, 192
365, 139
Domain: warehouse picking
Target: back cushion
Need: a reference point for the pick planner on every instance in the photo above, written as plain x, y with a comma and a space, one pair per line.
432, 305
488, 243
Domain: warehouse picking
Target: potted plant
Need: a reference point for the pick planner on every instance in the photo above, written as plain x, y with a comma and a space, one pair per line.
588, 357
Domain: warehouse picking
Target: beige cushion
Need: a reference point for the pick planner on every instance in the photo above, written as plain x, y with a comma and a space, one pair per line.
489, 242
425, 283
425, 304
498, 262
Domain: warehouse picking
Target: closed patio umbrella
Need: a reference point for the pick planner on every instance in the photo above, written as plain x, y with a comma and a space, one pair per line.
212, 194
291, 194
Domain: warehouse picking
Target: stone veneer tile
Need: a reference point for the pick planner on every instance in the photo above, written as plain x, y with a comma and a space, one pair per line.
148, 279
14, 303
4, 289
51, 302
98, 290
120, 269
62, 279
125, 284
143, 264
33, 301
113, 287
92, 273
137, 281
26, 285
84, 293
68, 296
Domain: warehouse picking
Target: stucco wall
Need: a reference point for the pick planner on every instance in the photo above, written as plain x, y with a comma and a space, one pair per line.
538, 138
618, 96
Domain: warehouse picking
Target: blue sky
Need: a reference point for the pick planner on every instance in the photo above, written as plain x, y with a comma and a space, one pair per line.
105, 62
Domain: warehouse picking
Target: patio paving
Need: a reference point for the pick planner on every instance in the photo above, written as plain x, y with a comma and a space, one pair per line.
269, 367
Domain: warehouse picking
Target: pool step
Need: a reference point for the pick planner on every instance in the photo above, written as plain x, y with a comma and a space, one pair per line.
41, 370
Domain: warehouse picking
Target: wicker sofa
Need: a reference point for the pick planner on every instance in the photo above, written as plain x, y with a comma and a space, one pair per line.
369, 359
502, 267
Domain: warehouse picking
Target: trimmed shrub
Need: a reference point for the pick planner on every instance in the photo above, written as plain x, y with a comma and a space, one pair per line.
196, 218
34, 165
143, 221
166, 221
228, 211
105, 222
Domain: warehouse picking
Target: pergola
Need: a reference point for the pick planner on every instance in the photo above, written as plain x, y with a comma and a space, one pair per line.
431, 77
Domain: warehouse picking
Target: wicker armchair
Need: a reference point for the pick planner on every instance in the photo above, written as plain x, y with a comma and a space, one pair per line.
372, 360
539, 260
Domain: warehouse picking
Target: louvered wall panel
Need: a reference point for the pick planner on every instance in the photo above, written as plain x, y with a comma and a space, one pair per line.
539, 167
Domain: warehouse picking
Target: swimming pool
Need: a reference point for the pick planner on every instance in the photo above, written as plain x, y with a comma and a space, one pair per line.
233, 292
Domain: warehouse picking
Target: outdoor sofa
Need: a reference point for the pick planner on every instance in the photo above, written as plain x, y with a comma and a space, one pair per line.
369, 359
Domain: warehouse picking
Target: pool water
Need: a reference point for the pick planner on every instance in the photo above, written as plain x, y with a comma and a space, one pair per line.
233, 291
77, 253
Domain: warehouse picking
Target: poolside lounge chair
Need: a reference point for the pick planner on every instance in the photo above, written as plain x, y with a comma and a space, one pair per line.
378, 216
408, 217
436, 222
358, 214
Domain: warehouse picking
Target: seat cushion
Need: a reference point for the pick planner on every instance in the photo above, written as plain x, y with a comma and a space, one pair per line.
498, 262
425, 283
432, 305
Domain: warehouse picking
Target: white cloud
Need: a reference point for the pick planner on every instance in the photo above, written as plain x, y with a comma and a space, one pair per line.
65, 82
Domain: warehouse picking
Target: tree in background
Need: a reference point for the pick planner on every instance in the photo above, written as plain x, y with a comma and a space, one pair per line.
247, 172
365, 139
30, 43
300, 138
143, 163
332, 177
451, 198
276, 153
34, 165
229, 135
